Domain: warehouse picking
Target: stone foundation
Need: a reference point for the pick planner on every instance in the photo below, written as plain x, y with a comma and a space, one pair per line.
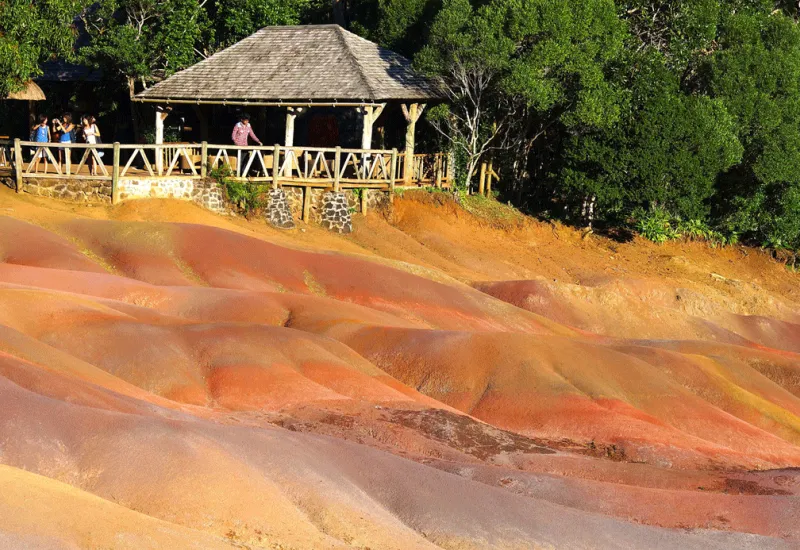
377, 200
78, 190
336, 212
205, 192
278, 213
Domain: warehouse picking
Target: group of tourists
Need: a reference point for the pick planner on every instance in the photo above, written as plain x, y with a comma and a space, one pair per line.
64, 130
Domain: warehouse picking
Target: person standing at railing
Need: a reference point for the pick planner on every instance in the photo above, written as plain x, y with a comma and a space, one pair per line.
66, 130
92, 135
241, 132
40, 134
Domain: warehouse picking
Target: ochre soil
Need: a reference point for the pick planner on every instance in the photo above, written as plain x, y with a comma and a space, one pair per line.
170, 378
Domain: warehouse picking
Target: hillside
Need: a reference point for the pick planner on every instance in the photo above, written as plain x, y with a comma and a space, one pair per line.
444, 379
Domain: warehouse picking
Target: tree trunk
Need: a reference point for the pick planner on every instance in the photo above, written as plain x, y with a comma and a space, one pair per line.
134, 114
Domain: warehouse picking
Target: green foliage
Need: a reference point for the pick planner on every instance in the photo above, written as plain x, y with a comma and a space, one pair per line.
757, 74
232, 20
245, 196
144, 39
657, 225
32, 32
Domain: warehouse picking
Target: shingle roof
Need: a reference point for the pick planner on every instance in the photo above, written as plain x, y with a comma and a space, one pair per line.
310, 63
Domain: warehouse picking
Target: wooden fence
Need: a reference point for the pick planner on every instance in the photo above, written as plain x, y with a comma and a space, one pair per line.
336, 168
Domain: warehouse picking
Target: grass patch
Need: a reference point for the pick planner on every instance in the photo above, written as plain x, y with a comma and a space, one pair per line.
492, 211
313, 285
188, 272
92, 255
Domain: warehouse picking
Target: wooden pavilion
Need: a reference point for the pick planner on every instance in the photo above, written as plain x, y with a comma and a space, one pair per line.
299, 68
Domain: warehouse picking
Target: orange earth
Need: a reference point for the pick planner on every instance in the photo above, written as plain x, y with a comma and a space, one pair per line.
170, 378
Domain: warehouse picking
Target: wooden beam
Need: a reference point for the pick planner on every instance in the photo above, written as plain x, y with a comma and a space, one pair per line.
306, 204
337, 165
115, 175
393, 175
204, 159
276, 165
18, 162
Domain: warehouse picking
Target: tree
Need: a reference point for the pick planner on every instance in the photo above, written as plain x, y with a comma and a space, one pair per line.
142, 40
666, 151
232, 20
513, 68
32, 32
757, 74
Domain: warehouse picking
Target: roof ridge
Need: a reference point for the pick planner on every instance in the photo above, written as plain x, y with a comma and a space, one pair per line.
354, 60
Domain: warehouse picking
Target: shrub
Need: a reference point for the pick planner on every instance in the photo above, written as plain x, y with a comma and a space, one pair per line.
245, 196
656, 225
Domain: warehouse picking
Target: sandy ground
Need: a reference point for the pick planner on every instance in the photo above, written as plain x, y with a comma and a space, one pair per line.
174, 378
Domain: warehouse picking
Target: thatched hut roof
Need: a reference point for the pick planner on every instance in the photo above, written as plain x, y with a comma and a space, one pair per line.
297, 65
31, 92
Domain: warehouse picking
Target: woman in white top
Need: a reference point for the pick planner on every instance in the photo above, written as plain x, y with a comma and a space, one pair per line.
90, 135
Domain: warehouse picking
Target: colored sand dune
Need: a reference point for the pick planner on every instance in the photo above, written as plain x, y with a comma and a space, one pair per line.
186, 385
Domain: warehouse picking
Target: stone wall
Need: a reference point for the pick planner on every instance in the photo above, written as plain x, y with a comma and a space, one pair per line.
336, 214
376, 200
278, 213
205, 192
77, 189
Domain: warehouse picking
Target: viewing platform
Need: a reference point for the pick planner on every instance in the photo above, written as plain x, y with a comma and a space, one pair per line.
117, 172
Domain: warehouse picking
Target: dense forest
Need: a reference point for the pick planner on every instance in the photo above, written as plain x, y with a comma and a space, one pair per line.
677, 118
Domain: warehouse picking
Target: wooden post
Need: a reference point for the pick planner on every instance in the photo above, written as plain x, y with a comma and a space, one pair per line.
306, 203
393, 175
161, 115
18, 162
276, 166
115, 175
337, 163
438, 170
370, 114
451, 168
482, 179
289, 137
204, 159
366, 128
199, 111
489, 175
364, 201
68, 159
32, 121
411, 113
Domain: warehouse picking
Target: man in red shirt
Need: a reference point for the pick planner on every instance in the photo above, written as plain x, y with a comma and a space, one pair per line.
241, 132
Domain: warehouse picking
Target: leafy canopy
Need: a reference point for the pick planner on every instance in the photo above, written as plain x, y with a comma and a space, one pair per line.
33, 32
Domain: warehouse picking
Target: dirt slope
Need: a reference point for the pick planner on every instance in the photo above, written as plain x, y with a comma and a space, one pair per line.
173, 378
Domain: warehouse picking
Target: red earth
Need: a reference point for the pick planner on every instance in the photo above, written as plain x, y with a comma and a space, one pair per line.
170, 378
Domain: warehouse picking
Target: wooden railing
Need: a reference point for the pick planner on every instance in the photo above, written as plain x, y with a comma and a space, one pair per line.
278, 165
428, 169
